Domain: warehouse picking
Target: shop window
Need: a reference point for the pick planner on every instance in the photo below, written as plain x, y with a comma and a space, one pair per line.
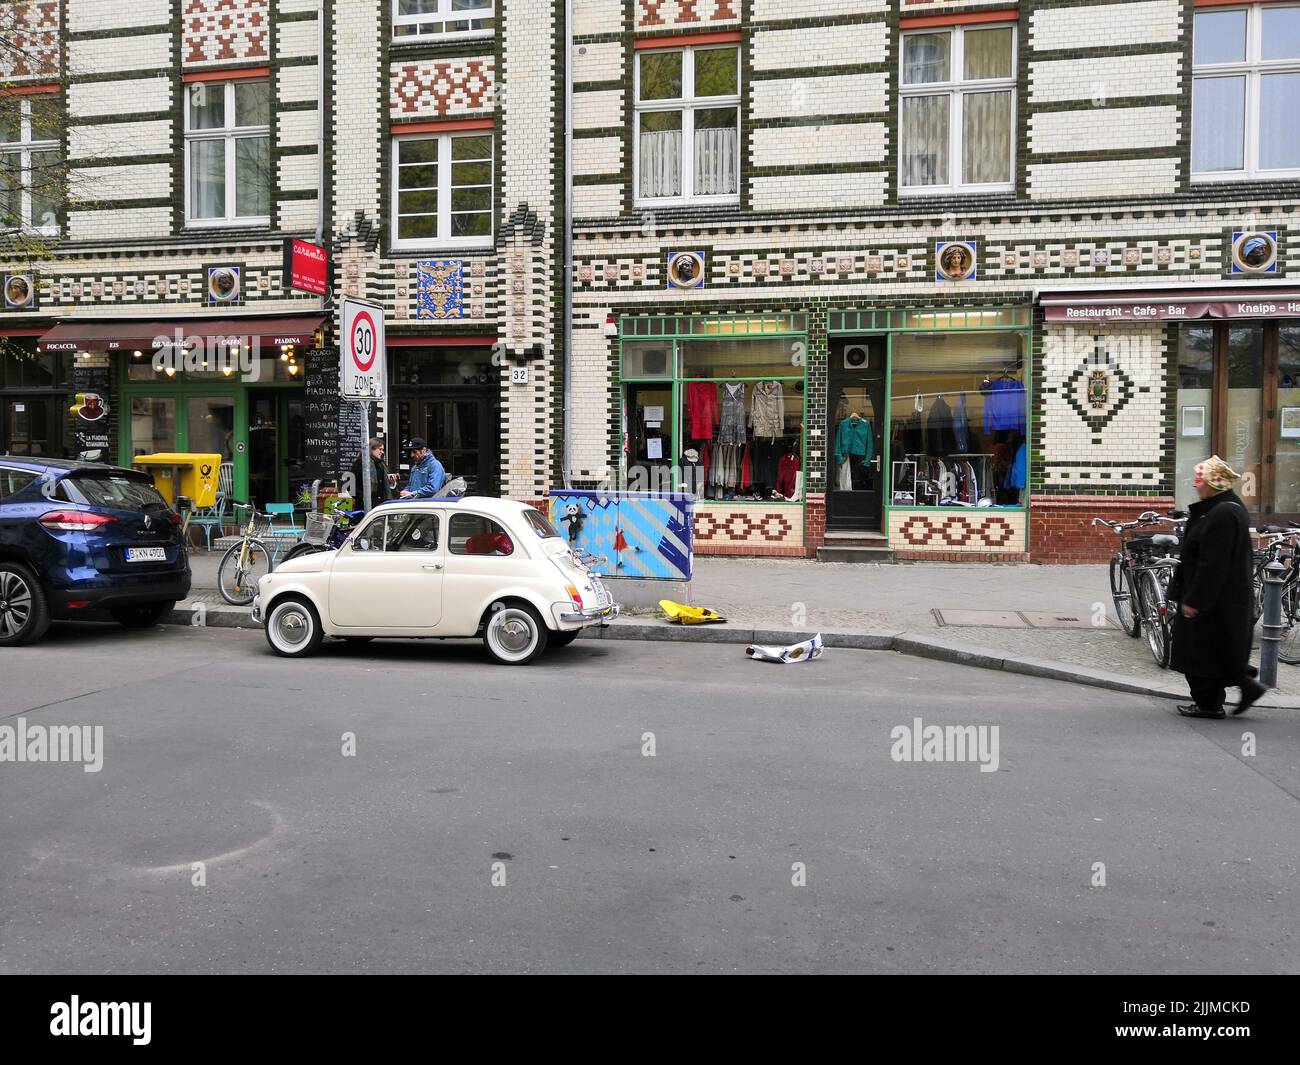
442, 190
22, 366
31, 172
957, 110
1285, 442
959, 425
441, 18
649, 359
688, 125
211, 426
473, 534
729, 426
228, 152
1245, 92
153, 425
220, 366
1195, 402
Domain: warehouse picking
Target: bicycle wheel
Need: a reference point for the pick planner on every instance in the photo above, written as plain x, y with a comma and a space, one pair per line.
1156, 623
238, 583
1121, 591
1288, 650
1258, 602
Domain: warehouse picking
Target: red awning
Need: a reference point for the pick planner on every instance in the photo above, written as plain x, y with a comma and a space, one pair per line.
135, 335
1156, 305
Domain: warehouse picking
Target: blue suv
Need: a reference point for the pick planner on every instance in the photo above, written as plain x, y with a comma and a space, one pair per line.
78, 537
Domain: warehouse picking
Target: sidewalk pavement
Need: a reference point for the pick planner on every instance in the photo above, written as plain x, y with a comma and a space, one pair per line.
1050, 621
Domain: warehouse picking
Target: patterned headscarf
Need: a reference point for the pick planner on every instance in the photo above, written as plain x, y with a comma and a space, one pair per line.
1216, 473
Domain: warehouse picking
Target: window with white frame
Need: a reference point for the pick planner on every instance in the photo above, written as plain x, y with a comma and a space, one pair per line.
30, 168
440, 18
1246, 91
442, 189
957, 109
228, 152
688, 125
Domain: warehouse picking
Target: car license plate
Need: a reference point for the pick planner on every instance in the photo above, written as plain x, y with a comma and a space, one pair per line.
146, 554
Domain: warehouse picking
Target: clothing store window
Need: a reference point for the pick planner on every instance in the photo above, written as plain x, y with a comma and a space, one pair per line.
1239, 397
721, 418
959, 420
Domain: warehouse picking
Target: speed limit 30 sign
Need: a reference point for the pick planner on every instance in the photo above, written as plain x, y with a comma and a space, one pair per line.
363, 366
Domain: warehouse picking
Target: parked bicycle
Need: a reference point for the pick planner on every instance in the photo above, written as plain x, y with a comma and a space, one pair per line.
1140, 574
1282, 544
244, 563
325, 532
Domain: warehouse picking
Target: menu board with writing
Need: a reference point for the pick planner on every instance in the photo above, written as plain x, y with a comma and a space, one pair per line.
336, 430
91, 426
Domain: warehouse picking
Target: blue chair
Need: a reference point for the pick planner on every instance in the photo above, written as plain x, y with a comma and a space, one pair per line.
286, 511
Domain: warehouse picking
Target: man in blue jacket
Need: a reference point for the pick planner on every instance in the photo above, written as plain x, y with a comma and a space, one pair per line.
427, 474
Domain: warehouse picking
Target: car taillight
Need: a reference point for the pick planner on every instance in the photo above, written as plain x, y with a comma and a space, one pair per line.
74, 520
576, 596
173, 517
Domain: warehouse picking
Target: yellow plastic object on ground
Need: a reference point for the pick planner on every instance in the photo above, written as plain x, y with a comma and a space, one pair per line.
688, 615
178, 473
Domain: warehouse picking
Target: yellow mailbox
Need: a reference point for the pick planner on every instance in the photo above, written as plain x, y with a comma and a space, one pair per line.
183, 474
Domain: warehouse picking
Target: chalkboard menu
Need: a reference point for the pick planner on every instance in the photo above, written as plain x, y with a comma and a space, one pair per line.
91, 422
336, 431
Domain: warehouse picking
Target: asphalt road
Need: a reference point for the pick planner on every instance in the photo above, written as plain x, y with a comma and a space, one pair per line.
216, 752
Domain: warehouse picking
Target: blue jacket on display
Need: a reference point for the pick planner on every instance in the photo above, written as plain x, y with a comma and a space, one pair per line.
1004, 405
854, 437
427, 478
1016, 475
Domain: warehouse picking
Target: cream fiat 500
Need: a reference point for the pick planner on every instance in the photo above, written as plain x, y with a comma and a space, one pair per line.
438, 568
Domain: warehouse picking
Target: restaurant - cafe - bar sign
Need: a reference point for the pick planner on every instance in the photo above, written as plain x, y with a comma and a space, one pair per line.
1165, 310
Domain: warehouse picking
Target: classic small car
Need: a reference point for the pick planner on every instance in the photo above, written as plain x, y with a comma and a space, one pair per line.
438, 568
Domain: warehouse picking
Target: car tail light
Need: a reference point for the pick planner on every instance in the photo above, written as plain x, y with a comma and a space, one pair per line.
576, 596
173, 517
74, 520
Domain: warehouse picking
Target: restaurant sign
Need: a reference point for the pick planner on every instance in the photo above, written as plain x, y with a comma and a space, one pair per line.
1172, 310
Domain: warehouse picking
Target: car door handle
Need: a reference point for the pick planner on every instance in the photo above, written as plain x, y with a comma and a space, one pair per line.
433, 565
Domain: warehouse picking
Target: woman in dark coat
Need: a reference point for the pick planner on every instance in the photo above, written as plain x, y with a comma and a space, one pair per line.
1215, 622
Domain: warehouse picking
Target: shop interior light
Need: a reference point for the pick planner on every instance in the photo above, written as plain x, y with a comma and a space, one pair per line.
170, 371
293, 368
138, 354
228, 370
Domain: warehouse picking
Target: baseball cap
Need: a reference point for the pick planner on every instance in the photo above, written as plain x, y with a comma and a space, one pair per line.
416, 443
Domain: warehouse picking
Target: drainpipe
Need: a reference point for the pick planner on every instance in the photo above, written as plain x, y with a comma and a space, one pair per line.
320, 122
568, 242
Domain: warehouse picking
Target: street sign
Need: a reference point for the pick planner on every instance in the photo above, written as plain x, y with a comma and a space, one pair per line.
363, 363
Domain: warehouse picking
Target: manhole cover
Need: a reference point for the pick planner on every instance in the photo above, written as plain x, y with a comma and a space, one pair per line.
985, 619
1065, 620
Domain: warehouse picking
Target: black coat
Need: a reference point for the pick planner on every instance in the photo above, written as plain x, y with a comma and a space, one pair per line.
1215, 577
379, 490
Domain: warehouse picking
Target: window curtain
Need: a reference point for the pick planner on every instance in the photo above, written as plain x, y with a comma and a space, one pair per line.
208, 179
986, 138
1218, 124
661, 163
925, 140
1279, 144
715, 162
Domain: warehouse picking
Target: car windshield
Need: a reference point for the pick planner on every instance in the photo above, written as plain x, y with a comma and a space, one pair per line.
543, 528
113, 491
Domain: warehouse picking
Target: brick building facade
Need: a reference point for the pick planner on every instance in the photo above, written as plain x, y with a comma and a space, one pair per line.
1054, 234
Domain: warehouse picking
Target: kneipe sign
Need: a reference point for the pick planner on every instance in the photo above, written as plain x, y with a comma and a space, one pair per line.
362, 371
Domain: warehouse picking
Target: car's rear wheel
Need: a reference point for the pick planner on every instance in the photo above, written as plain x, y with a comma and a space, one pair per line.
514, 635
562, 639
141, 617
24, 612
293, 628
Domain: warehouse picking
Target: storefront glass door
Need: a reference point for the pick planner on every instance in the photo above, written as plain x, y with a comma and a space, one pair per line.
855, 443
461, 428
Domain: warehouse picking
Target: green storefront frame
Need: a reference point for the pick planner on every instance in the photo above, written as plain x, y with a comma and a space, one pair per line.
791, 326
180, 389
889, 322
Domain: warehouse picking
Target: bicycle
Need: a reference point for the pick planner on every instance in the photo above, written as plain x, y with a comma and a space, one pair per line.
244, 563
1282, 546
1128, 561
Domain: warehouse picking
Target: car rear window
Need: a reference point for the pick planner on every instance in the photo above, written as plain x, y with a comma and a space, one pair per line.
113, 491
539, 524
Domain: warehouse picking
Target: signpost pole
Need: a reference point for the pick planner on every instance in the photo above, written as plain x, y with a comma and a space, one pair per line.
367, 466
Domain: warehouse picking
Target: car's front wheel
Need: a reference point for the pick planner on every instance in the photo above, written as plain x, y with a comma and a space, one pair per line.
293, 628
514, 635
141, 617
24, 613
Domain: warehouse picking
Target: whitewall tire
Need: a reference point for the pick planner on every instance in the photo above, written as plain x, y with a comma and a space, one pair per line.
514, 635
293, 628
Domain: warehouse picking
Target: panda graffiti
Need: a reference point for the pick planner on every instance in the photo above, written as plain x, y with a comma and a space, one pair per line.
572, 520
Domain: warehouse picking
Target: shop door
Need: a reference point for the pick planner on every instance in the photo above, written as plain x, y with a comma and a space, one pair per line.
462, 428
856, 394
32, 426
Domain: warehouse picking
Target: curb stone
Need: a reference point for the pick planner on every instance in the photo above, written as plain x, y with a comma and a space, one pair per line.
221, 616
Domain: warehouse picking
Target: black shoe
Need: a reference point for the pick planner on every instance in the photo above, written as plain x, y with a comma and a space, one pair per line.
1192, 710
1251, 693
1252, 672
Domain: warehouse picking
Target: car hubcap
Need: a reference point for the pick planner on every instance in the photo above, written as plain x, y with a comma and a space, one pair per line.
15, 604
292, 628
514, 634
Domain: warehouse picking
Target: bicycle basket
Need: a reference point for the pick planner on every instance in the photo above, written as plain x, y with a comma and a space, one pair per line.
319, 528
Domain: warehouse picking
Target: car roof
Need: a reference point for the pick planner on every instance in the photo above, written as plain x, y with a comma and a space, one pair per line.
457, 501
30, 462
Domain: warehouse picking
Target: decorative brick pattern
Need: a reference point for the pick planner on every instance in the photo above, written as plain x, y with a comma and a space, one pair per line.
732, 528
663, 14
449, 88
979, 530
31, 50
225, 31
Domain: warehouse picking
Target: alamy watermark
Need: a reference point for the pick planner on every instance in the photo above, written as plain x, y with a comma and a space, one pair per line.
919, 742
228, 355
53, 743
